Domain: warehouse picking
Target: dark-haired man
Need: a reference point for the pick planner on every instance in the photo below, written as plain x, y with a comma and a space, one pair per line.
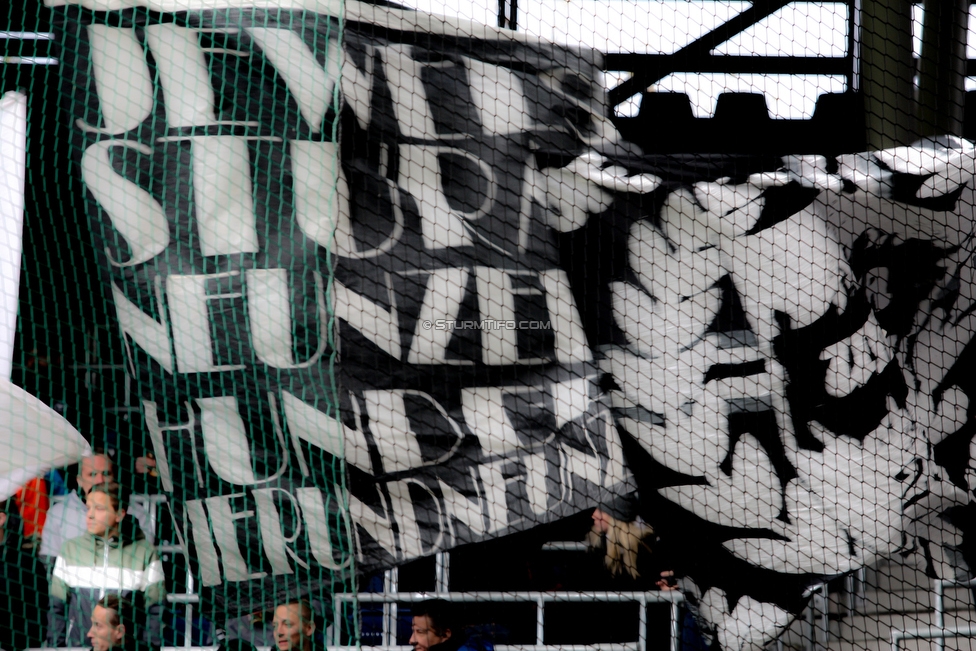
112, 624
436, 627
294, 626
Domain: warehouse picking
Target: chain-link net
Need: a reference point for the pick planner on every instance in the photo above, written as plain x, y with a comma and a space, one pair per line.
551, 324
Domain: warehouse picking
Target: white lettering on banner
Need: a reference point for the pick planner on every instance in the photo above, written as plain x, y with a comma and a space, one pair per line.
567, 326
322, 196
223, 520
206, 554
403, 75
275, 542
132, 210
311, 85
570, 400
317, 525
421, 176
496, 490
393, 432
485, 414
537, 483
227, 444
497, 93
357, 87
144, 330
378, 525
411, 542
225, 440
269, 318
532, 479
189, 315
496, 292
306, 423
378, 324
125, 88
496, 300
442, 300
278, 548
184, 75
223, 195
156, 430
457, 507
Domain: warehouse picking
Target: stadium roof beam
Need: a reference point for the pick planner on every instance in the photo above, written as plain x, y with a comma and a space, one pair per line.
692, 54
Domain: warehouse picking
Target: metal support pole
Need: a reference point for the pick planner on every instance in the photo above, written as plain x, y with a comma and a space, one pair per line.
391, 585
540, 620
940, 612
188, 625
675, 624
442, 572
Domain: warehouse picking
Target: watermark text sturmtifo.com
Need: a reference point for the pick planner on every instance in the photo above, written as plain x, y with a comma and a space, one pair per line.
486, 324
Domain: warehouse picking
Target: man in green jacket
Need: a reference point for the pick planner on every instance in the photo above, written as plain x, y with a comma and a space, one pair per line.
112, 558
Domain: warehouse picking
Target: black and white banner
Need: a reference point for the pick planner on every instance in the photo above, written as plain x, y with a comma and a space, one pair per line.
407, 289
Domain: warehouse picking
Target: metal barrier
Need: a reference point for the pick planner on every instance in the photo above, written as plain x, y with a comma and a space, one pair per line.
939, 631
152, 504
539, 598
939, 588
930, 633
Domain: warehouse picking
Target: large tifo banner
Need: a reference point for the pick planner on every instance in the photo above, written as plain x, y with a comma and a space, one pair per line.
389, 284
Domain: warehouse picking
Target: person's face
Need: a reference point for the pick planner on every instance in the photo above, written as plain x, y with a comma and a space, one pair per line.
94, 470
291, 633
424, 636
103, 634
601, 521
102, 517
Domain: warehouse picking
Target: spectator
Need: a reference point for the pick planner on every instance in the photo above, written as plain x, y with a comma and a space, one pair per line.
294, 626
254, 628
113, 625
66, 519
436, 627
33, 504
623, 540
22, 587
113, 556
